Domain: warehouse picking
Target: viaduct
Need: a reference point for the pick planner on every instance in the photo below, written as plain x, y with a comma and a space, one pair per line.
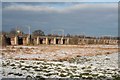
50, 40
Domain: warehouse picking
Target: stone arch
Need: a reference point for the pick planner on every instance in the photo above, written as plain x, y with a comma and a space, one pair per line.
49, 41
64, 42
20, 40
41, 41
57, 41
8, 41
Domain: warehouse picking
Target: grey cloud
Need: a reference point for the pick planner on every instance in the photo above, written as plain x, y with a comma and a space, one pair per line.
91, 20
23, 7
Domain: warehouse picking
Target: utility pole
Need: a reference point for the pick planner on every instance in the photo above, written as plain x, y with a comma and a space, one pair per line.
28, 26
29, 37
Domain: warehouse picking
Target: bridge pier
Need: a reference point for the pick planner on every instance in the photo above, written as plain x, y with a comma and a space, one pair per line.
46, 40
68, 40
54, 40
16, 40
38, 40
28, 39
24, 41
62, 40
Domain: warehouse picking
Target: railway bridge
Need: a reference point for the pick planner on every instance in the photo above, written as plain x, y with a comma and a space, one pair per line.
53, 40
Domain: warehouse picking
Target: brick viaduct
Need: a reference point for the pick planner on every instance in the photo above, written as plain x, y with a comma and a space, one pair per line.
25, 40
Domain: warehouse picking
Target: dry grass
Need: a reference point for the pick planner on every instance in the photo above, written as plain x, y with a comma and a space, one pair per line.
69, 51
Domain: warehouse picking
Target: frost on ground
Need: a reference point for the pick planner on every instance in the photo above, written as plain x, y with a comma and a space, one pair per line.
90, 62
0, 66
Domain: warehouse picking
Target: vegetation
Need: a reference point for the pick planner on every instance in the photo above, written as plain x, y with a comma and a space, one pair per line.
74, 40
13, 31
38, 33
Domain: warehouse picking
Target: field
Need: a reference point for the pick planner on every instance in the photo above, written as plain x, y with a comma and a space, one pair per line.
61, 61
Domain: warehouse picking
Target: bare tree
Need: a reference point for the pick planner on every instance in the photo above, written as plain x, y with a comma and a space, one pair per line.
38, 33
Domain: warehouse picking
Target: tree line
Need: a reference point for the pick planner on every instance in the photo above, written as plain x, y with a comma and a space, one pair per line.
40, 32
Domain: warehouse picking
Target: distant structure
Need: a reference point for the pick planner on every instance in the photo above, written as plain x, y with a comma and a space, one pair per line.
55, 40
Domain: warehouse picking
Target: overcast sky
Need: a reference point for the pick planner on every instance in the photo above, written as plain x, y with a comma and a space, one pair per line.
60, 0
95, 19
